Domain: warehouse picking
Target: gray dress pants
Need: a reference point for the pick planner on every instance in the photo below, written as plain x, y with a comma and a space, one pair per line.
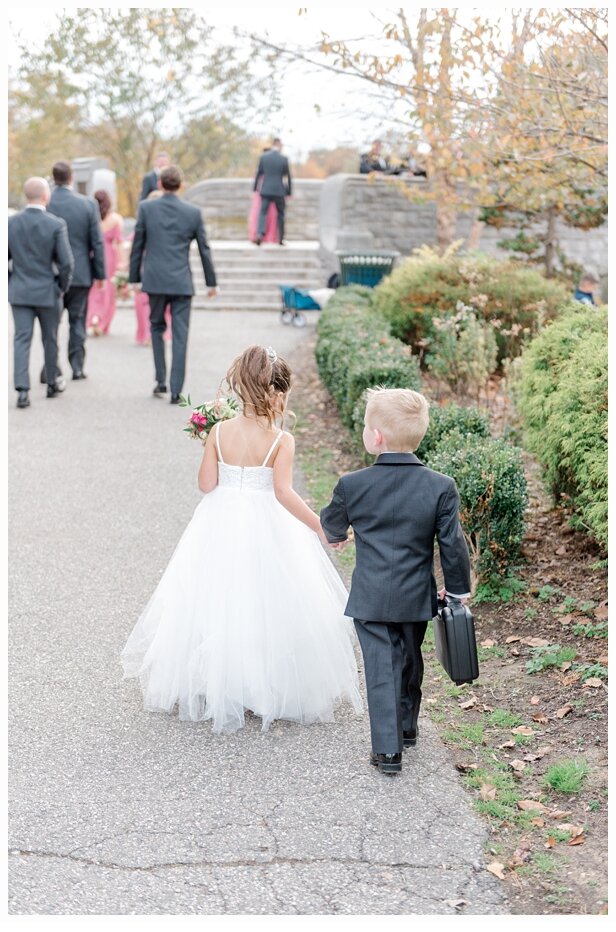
24, 317
180, 317
393, 667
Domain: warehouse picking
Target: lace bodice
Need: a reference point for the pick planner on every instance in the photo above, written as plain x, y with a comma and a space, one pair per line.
246, 478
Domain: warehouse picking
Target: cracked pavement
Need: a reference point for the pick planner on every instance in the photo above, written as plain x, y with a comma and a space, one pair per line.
114, 810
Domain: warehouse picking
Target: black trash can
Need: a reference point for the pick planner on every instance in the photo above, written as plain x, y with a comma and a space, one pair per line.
365, 268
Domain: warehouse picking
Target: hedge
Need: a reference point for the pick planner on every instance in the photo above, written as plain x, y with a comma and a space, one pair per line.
493, 497
561, 393
356, 351
517, 300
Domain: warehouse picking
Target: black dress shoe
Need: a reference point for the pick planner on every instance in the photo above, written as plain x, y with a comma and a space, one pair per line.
387, 763
258, 241
52, 391
160, 389
77, 376
175, 400
23, 401
409, 738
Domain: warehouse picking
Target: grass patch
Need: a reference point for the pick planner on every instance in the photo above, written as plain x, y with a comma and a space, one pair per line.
591, 630
588, 670
568, 776
486, 653
505, 719
550, 656
546, 592
499, 590
544, 862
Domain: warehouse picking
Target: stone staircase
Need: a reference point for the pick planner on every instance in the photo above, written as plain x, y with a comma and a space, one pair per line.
248, 275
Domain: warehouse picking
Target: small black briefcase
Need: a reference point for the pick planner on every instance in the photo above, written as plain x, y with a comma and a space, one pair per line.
454, 638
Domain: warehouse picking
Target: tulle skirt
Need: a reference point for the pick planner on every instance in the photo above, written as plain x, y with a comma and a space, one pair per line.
249, 614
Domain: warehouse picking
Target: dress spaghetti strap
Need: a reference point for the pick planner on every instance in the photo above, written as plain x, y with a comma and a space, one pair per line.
272, 448
217, 438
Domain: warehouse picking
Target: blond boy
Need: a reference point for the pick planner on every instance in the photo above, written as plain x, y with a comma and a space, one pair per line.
397, 508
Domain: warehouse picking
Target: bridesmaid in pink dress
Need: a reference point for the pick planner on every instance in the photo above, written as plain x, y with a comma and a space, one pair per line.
102, 301
271, 219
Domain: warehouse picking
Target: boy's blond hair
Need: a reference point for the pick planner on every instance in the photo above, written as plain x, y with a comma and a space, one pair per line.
400, 414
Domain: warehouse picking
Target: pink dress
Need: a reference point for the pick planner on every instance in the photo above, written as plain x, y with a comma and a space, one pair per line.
271, 221
102, 301
142, 311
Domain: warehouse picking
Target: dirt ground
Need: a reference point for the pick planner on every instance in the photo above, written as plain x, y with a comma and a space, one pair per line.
548, 843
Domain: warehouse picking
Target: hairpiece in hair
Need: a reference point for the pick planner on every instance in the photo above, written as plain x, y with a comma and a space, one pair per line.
271, 352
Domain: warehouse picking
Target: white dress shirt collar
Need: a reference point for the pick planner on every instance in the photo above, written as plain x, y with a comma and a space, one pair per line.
36, 206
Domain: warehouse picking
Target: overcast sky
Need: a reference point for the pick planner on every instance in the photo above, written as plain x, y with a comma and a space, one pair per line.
301, 125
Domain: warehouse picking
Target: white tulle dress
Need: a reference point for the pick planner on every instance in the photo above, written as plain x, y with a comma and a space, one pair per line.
249, 614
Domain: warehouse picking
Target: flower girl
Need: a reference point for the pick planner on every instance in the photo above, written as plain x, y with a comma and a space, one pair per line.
249, 614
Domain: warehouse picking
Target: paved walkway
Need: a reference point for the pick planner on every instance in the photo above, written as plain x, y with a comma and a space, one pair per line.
114, 810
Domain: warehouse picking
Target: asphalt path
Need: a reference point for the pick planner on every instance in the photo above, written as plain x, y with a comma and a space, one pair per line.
114, 810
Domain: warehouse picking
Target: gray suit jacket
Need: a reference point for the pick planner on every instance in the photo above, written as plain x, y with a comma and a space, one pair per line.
397, 507
83, 219
164, 231
40, 258
149, 184
273, 168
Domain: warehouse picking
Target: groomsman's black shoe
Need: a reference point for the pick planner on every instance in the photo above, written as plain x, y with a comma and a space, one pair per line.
281, 242
52, 391
387, 763
409, 738
160, 389
175, 400
258, 241
23, 401
77, 376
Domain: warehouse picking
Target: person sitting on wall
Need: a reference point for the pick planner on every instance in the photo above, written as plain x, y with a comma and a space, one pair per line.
586, 288
373, 161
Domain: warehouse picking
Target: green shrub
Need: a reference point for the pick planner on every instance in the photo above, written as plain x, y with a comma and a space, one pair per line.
356, 351
493, 495
463, 352
443, 420
428, 286
561, 393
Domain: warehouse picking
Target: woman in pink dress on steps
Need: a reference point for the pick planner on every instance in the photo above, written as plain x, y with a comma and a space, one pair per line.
102, 301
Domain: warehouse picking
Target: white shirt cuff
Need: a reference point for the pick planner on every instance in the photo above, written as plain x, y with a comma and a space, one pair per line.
454, 595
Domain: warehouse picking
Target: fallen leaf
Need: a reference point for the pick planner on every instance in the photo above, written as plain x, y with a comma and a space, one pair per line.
541, 718
464, 768
538, 821
571, 678
522, 730
565, 665
594, 682
489, 642
487, 791
559, 814
531, 805
564, 711
561, 550
515, 652
602, 659
566, 619
535, 700
601, 611
512, 638
551, 841
469, 703
577, 840
507, 744
535, 642
497, 869
456, 904
431, 701
517, 765
533, 757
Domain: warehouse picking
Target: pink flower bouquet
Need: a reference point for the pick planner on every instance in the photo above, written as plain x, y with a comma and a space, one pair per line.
205, 416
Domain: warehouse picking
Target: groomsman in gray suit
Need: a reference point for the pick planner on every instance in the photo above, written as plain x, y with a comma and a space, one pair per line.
83, 220
274, 169
160, 260
151, 178
40, 270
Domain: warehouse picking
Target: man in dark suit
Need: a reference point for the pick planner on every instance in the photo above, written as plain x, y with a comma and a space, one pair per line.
83, 220
151, 179
273, 168
397, 508
40, 270
164, 231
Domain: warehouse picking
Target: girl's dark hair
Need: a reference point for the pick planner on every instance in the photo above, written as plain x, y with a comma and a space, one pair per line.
104, 203
256, 376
